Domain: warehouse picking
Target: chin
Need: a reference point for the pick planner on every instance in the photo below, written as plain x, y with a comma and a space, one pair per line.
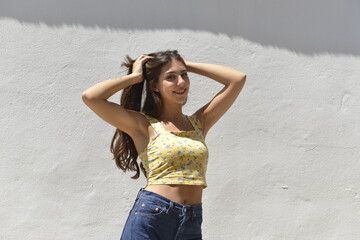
185, 101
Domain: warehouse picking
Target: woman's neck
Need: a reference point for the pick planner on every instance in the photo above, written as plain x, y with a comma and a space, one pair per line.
171, 113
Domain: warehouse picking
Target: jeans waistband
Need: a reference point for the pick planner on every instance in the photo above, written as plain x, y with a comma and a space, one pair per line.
157, 197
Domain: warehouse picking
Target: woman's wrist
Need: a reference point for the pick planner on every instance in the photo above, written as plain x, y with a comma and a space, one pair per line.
189, 66
136, 77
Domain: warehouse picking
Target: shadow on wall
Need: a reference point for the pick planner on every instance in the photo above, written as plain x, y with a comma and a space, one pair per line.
307, 27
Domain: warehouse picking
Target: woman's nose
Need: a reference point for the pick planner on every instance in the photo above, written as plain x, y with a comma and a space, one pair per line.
181, 81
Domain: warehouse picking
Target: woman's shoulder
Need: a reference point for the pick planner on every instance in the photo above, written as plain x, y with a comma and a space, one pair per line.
142, 120
196, 118
148, 118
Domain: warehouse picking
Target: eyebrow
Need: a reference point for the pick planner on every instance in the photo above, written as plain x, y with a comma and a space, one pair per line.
175, 71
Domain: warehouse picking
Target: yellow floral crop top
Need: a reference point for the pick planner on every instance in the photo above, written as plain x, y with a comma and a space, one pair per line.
176, 157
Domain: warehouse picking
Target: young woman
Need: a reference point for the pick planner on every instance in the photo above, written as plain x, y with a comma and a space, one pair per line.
169, 143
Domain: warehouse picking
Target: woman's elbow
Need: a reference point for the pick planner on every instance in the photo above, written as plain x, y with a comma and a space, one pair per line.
241, 79
86, 97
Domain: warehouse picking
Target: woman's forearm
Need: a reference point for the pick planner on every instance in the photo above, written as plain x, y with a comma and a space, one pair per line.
219, 73
106, 89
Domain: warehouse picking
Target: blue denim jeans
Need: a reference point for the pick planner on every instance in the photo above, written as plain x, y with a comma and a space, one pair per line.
158, 218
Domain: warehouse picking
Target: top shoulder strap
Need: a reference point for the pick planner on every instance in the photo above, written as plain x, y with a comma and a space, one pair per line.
154, 123
195, 121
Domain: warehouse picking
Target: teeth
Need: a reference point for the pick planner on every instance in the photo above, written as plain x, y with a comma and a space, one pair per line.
180, 92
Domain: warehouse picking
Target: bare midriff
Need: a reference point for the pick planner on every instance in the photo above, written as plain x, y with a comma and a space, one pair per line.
180, 193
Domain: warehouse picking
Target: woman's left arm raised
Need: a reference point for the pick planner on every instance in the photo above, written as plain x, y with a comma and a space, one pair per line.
233, 80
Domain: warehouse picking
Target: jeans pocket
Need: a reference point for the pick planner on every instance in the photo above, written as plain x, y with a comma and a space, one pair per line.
149, 208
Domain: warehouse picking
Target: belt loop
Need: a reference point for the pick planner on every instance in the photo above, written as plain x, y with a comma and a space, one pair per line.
193, 213
170, 207
138, 195
183, 211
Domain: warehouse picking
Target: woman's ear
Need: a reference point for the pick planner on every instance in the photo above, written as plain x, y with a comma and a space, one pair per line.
154, 87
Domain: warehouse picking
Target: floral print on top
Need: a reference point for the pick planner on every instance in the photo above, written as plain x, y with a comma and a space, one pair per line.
176, 157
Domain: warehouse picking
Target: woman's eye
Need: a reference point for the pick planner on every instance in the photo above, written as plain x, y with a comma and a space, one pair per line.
171, 77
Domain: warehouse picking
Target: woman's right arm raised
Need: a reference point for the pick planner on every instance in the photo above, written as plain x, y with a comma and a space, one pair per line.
96, 97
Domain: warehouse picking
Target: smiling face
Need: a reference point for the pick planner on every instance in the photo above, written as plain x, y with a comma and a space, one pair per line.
173, 84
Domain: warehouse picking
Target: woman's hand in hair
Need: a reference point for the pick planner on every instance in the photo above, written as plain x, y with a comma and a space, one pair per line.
137, 69
185, 61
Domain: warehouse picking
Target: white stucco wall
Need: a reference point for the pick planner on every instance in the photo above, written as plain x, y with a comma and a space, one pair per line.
284, 160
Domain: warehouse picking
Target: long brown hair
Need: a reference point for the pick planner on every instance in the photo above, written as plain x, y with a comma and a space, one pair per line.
122, 145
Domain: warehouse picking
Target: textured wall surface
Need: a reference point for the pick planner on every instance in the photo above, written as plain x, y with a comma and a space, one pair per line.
284, 160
